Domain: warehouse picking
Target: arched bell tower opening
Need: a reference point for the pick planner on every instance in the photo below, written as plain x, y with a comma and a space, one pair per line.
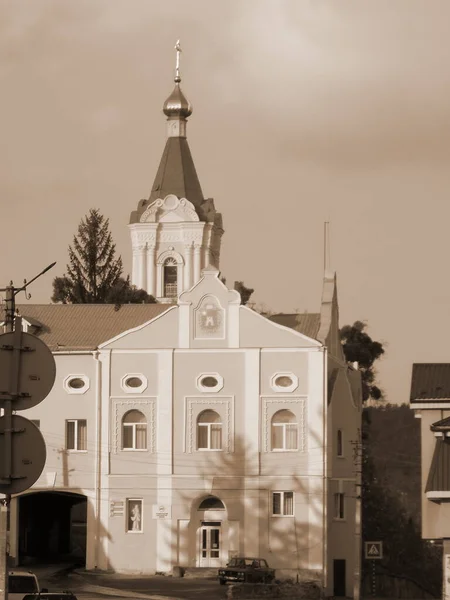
170, 278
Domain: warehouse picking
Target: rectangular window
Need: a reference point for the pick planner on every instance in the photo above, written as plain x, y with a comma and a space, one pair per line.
339, 506
76, 434
283, 504
134, 515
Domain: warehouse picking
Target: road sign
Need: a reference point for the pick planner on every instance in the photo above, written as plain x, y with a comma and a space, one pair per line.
373, 550
28, 455
36, 374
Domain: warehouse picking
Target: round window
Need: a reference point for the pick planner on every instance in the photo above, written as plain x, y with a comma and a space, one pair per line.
283, 381
133, 382
76, 383
209, 381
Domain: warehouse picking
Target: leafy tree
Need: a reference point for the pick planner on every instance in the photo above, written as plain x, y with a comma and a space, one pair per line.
359, 347
94, 273
244, 291
385, 516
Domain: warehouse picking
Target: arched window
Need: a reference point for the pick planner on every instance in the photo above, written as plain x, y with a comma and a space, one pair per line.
284, 431
209, 431
211, 503
134, 431
170, 276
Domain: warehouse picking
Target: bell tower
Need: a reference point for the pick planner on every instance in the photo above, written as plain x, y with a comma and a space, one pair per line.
176, 232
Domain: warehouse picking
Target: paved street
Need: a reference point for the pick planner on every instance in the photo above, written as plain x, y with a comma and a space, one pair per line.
88, 587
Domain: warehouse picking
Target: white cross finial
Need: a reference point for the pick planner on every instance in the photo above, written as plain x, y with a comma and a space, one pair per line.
177, 66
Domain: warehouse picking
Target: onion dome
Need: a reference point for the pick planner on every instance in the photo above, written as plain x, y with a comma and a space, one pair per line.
177, 105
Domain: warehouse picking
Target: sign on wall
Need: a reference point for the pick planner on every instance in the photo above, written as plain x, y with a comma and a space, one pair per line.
161, 511
116, 508
373, 550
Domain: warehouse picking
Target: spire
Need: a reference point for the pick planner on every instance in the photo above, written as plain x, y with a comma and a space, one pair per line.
176, 173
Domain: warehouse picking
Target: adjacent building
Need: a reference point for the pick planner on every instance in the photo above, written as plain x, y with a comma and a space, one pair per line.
189, 431
430, 400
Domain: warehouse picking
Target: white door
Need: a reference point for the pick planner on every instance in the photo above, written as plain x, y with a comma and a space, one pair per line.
210, 544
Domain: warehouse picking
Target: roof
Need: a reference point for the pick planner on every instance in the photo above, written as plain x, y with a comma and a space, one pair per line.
85, 326
306, 323
442, 425
439, 475
176, 175
430, 381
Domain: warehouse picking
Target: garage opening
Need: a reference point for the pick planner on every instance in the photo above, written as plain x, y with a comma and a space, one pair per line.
52, 528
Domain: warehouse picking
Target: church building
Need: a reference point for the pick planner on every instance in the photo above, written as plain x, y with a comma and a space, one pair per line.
193, 430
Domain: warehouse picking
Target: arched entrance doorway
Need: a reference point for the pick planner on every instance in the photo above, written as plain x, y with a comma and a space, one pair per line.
209, 521
52, 527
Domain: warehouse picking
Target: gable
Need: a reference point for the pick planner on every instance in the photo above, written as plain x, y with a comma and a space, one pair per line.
257, 331
160, 332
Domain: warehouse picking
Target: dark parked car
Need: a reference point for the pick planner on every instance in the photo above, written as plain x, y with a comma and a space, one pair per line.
246, 570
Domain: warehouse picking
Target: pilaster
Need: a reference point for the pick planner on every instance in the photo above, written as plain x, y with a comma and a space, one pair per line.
197, 262
188, 267
151, 266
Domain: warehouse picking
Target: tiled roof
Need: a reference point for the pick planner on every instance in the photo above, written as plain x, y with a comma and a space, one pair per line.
439, 475
85, 326
442, 425
430, 381
176, 175
306, 323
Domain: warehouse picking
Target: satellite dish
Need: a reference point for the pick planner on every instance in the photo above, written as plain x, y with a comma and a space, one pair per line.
37, 370
28, 455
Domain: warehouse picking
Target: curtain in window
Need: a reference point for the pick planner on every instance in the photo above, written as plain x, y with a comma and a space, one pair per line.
276, 503
202, 436
141, 436
291, 436
288, 508
70, 435
216, 436
277, 437
82, 435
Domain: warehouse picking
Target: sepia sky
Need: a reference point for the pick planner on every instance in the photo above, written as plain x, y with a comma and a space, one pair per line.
304, 111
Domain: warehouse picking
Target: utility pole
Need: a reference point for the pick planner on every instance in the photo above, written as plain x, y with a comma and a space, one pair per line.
6, 475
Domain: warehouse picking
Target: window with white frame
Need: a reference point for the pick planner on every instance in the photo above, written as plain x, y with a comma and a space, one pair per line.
76, 434
339, 506
283, 504
340, 443
209, 431
134, 515
134, 431
284, 431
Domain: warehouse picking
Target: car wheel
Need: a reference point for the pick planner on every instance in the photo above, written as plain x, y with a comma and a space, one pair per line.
222, 581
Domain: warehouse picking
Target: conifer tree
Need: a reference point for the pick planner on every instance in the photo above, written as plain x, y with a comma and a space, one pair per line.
94, 273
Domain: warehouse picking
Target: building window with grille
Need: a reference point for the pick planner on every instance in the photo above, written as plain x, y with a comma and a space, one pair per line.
282, 504
339, 506
340, 443
134, 431
284, 431
170, 276
76, 435
209, 431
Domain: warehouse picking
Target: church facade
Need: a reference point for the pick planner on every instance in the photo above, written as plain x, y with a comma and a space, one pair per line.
196, 429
